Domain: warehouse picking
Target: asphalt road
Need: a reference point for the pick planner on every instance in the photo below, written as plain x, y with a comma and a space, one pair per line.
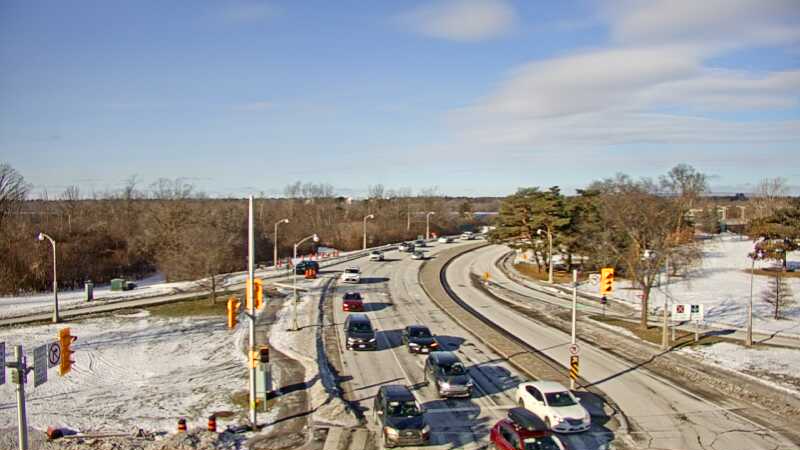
395, 299
662, 415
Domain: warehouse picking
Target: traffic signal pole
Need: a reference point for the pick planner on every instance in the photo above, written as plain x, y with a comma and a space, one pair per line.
19, 377
665, 325
574, 313
252, 312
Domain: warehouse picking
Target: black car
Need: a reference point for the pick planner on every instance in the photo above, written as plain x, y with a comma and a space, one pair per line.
359, 334
447, 374
400, 417
418, 339
302, 266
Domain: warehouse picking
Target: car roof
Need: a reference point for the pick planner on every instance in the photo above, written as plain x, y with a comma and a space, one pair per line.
397, 392
526, 419
418, 327
547, 386
444, 358
358, 317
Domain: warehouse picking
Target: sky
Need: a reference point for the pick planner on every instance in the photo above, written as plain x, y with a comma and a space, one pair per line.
471, 97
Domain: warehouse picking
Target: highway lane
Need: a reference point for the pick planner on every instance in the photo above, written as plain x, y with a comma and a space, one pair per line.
662, 415
394, 299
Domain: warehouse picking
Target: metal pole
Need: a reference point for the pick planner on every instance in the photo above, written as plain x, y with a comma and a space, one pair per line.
664, 335
275, 247
22, 420
550, 252
294, 290
574, 313
749, 342
55, 284
365, 233
427, 226
251, 301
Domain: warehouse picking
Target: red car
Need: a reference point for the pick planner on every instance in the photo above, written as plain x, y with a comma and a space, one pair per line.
352, 301
523, 430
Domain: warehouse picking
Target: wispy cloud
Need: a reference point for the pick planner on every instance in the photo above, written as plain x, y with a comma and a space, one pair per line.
461, 20
655, 83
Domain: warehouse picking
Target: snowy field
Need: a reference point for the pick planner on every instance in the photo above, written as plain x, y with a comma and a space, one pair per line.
721, 282
131, 371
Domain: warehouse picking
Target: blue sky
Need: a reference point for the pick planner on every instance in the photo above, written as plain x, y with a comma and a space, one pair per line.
475, 97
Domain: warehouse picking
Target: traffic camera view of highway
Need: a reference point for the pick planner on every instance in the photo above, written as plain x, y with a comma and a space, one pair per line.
444, 224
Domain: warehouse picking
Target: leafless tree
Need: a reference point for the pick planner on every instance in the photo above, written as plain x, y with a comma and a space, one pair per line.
770, 195
13, 191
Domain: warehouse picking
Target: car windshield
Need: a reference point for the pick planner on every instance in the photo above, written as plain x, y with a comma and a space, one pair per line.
403, 409
559, 399
352, 296
454, 369
540, 443
420, 332
351, 271
360, 327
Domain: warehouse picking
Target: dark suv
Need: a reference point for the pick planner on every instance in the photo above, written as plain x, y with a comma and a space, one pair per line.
419, 339
448, 375
302, 266
400, 417
359, 334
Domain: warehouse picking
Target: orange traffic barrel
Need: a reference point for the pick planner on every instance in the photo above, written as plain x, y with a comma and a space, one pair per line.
181, 425
212, 423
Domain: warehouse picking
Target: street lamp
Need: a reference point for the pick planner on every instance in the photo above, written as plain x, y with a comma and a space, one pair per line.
42, 237
371, 216
275, 242
294, 276
428, 225
549, 252
758, 254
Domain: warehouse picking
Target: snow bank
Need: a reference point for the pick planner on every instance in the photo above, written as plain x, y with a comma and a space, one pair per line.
132, 371
722, 283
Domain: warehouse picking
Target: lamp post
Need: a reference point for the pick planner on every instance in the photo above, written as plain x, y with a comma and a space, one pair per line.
294, 277
371, 216
275, 242
428, 224
549, 252
41, 237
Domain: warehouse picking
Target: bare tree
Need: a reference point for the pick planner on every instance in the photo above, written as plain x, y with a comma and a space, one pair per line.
13, 191
778, 294
770, 195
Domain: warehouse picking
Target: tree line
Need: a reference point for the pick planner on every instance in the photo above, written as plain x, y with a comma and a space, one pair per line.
172, 228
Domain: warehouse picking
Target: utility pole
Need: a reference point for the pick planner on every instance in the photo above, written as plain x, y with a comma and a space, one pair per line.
574, 314
252, 312
664, 335
371, 216
20, 366
275, 242
428, 225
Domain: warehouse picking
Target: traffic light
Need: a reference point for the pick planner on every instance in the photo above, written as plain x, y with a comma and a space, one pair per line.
259, 289
263, 354
233, 312
65, 340
606, 280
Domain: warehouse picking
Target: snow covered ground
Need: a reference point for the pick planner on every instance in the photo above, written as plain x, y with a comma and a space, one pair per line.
132, 371
721, 283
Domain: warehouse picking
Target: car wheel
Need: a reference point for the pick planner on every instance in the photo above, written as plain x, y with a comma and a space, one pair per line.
386, 442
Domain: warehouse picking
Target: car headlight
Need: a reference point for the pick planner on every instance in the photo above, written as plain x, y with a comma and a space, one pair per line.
391, 432
470, 383
444, 385
557, 419
351, 339
434, 344
371, 340
413, 344
426, 429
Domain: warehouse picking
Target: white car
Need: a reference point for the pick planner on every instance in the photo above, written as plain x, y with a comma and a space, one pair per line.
404, 247
351, 275
376, 255
554, 404
467, 235
445, 240
418, 255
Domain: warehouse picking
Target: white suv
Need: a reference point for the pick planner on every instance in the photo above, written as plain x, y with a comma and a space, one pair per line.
555, 405
376, 255
351, 275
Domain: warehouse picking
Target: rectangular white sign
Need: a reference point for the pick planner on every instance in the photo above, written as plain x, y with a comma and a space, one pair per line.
697, 312
681, 312
40, 365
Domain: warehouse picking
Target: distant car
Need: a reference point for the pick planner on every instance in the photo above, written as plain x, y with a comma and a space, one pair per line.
351, 275
418, 339
358, 332
376, 255
400, 417
555, 405
352, 301
300, 268
420, 243
523, 430
418, 255
447, 374
467, 236
404, 246
445, 240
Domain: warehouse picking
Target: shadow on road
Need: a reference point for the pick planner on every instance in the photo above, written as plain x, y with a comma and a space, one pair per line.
373, 280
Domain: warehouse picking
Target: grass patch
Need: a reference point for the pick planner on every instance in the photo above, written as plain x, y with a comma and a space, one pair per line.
532, 271
652, 334
198, 307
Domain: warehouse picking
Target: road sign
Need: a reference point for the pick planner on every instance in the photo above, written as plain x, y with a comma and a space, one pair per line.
53, 354
2, 363
697, 312
574, 350
40, 365
594, 278
681, 312
573, 367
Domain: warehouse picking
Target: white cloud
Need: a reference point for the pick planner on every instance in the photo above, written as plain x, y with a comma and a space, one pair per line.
655, 84
461, 20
